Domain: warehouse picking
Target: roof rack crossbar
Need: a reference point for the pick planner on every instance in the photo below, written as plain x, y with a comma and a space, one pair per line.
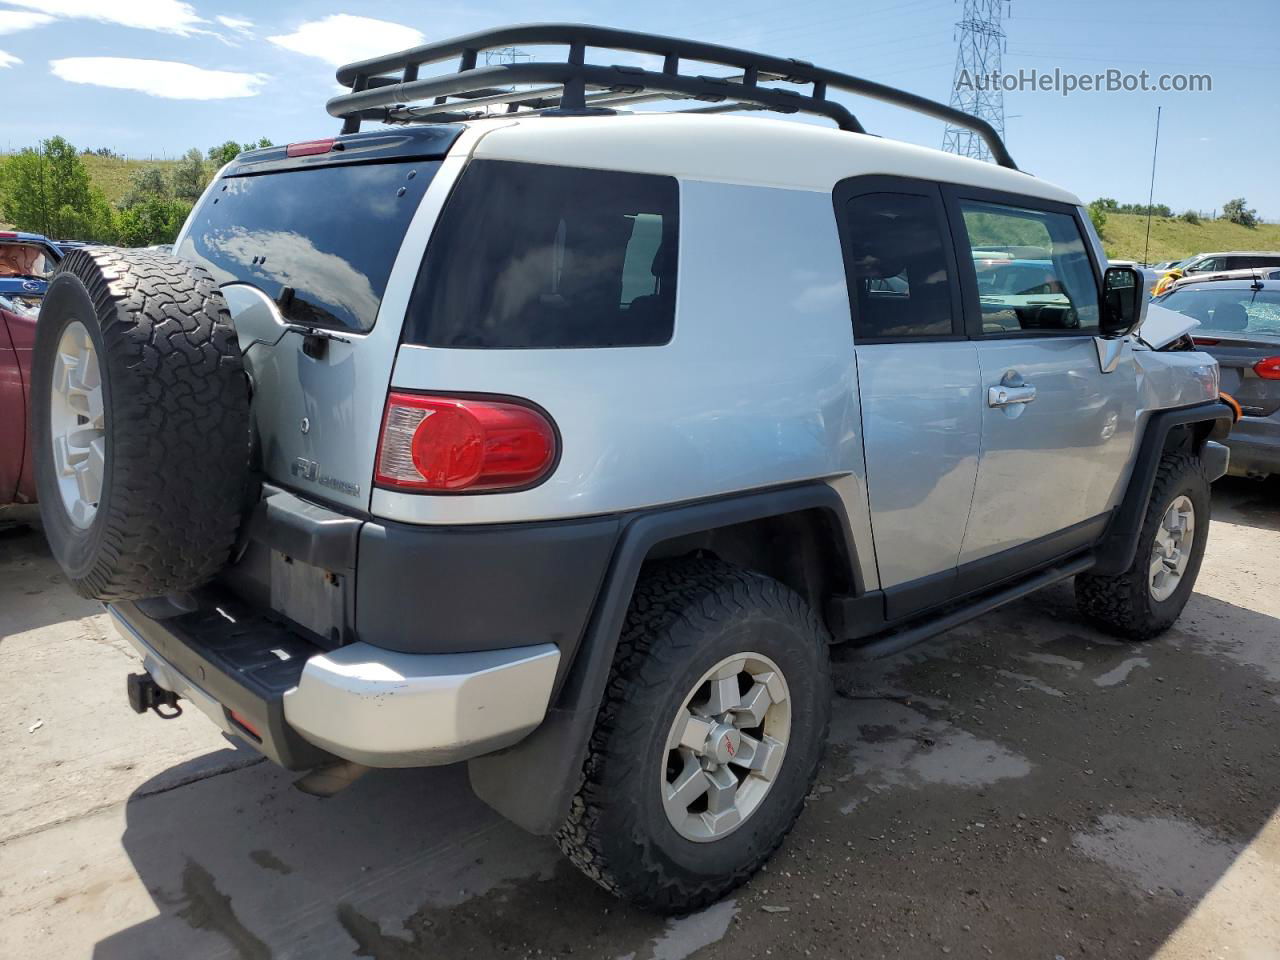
391, 89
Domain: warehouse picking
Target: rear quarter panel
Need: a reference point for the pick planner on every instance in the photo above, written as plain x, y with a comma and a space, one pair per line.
757, 387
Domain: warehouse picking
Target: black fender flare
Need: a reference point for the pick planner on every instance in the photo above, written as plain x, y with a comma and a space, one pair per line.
533, 782
1114, 554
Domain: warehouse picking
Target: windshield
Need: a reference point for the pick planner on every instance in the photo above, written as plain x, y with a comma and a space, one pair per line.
25, 260
1229, 311
321, 242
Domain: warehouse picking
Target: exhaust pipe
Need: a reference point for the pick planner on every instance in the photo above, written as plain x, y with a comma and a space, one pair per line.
325, 781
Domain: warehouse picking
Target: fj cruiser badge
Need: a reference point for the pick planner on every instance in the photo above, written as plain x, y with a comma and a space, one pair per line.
306, 469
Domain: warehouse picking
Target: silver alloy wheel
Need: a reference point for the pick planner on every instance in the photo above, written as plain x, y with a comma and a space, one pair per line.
78, 424
1171, 551
726, 746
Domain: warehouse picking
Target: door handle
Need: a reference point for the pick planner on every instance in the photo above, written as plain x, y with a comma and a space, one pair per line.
1006, 396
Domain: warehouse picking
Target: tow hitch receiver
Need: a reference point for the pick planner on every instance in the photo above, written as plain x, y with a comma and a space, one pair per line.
145, 694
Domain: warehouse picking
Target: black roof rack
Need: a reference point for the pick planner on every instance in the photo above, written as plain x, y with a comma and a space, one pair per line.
388, 89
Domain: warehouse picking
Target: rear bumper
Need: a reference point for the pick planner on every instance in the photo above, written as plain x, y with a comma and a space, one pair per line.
1255, 447
301, 706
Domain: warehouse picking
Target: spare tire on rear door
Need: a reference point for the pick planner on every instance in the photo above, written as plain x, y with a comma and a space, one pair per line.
140, 423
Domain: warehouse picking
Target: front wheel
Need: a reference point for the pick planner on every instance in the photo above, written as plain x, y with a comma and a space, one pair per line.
1148, 597
708, 739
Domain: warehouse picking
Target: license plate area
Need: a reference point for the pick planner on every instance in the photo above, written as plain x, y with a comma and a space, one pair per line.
315, 599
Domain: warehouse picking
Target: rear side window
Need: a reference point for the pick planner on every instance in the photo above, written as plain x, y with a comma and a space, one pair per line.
898, 267
531, 256
320, 242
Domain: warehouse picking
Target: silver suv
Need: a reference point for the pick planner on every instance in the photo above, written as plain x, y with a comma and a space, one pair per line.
565, 441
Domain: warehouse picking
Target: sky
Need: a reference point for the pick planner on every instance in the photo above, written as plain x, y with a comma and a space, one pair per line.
154, 77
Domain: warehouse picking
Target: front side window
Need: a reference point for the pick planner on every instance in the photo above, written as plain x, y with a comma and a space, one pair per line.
532, 256
1032, 270
898, 267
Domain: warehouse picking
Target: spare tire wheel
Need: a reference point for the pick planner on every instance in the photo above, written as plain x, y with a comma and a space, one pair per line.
140, 423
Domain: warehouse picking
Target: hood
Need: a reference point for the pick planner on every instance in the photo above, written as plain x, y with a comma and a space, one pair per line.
1162, 326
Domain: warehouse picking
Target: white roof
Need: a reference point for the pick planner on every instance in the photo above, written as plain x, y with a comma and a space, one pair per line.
749, 150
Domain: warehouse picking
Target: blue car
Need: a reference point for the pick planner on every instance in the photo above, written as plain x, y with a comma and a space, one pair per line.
26, 262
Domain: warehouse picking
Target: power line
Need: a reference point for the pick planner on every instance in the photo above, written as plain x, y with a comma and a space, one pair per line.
977, 58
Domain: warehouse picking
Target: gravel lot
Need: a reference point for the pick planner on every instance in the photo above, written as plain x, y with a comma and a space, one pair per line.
1022, 787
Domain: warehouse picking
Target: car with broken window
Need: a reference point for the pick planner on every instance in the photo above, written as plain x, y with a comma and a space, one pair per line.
564, 439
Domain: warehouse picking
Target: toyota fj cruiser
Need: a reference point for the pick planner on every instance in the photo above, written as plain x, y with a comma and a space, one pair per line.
565, 441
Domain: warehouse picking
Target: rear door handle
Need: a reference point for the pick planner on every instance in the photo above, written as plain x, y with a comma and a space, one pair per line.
1003, 396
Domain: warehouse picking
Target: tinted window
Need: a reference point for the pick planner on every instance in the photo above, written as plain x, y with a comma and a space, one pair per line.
898, 269
319, 241
534, 256
1043, 280
1229, 311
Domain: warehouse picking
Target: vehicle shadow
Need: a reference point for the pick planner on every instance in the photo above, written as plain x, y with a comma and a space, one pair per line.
1112, 787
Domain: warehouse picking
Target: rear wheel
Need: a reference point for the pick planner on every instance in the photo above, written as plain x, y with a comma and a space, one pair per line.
1148, 597
708, 739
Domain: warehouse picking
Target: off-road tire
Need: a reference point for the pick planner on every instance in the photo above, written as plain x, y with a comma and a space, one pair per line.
1123, 604
687, 615
177, 423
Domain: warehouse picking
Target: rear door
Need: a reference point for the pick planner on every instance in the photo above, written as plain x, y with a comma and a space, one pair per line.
918, 382
304, 249
1057, 430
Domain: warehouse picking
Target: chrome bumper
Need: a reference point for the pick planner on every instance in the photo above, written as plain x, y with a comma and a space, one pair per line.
387, 709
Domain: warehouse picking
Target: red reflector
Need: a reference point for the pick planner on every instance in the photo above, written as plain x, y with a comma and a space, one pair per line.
7, 234
1268, 368
309, 148
1205, 341
446, 443
240, 719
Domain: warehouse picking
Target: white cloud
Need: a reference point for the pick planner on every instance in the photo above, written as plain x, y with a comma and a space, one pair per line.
343, 38
159, 78
8, 60
238, 24
11, 21
166, 16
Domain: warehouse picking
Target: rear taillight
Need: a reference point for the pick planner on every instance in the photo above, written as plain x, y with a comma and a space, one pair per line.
1206, 341
1268, 368
462, 445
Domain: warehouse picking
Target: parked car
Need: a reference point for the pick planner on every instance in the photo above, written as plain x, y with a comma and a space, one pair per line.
26, 261
564, 443
1240, 327
1232, 260
1150, 275
1248, 273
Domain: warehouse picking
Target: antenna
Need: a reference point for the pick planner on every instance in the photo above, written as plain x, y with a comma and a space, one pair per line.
972, 90
1151, 194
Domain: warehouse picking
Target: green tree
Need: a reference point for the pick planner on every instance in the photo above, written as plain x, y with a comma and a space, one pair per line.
189, 177
153, 219
1238, 212
46, 189
1189, 216
146, 184
1098, 212
224, 153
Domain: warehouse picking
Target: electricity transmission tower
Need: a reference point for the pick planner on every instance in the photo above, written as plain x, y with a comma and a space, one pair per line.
972, 90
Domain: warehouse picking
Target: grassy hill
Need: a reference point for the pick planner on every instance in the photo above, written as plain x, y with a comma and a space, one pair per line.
1171, 239
112, 174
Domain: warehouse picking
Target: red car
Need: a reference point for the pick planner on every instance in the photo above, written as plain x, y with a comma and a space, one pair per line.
25, 263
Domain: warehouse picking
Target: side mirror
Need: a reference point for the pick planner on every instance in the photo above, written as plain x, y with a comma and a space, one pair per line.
1124, 301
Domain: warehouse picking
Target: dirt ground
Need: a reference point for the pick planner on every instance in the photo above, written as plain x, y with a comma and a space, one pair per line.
1022, 787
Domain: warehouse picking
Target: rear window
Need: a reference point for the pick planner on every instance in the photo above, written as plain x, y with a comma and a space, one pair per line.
1229, 311
25, 261
320, 242
531, 256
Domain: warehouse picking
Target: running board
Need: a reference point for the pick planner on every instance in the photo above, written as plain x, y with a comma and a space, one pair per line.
900, 640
